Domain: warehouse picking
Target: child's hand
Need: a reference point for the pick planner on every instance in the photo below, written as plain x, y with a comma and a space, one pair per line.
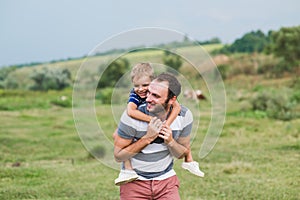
166, 133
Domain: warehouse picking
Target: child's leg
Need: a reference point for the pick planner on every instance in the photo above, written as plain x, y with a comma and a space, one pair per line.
191, 165
188, 157
127, 165
127, 174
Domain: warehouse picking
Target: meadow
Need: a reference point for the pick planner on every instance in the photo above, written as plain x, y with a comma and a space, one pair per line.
43, 157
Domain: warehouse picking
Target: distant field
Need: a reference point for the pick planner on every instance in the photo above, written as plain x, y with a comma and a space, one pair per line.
42, 156
22, 75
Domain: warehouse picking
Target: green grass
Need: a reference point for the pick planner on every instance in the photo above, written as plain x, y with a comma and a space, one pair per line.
42, 156
255, 157
21, 99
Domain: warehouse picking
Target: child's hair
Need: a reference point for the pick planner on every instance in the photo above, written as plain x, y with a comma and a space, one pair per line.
142, 69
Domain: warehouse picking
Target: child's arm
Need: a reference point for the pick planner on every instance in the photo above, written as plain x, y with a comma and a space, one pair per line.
175, 111
133, 112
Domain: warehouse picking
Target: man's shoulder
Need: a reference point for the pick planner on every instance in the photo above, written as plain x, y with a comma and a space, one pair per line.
184, 111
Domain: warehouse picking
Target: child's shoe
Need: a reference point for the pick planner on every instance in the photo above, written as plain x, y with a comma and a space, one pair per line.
126, 176
193, 167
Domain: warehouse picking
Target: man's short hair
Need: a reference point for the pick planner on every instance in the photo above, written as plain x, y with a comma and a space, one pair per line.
174, 85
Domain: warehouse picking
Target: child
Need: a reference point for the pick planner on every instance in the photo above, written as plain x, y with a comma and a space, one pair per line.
141, 76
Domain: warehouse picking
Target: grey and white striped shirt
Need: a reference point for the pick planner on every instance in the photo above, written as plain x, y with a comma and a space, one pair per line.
155, 159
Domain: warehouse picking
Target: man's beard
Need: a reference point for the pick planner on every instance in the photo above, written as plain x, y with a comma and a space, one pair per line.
160, 109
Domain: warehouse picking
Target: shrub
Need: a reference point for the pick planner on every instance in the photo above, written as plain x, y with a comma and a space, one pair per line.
113, 73
224, 69
267, 66
54, 79
105, 95
243, 64
296, 83
275, 105
4, 73
280, 108
173, 61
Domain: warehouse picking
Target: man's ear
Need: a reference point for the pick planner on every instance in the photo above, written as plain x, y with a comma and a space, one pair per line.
172, 100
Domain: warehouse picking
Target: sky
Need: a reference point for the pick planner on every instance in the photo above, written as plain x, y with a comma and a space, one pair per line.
42, 31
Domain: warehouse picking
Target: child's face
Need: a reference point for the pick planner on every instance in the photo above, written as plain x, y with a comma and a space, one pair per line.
141, 85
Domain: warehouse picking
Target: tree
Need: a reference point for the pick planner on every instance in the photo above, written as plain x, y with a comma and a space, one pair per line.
250, 42
113, 73
4, 74
213, 40
173, 61
285, 43
54, 79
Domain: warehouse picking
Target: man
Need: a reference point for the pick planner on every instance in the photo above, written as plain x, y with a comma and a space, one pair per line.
151, 147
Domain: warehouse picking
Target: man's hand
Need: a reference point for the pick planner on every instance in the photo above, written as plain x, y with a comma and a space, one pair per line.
153, 129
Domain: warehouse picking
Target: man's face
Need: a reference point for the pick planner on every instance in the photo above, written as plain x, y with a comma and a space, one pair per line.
157, 96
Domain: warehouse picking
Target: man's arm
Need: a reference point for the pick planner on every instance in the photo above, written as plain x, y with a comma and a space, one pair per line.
124, 149
177, 148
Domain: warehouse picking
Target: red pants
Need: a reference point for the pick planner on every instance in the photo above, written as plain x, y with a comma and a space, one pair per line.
163, 190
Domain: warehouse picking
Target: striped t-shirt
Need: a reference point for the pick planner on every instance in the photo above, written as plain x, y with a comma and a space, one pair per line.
155, 159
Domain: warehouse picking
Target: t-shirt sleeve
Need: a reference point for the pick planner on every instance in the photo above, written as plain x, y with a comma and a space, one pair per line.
133, 97
187, 123
125, 128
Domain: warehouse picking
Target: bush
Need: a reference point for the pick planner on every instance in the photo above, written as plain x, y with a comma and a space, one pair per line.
105, 95
113, 73
224, 69
280, 109
173, 61
4, 73
243, 64
267, 66
275, 105
296, 83
54, 79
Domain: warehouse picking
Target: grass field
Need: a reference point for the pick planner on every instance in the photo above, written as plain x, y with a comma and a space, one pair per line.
42, 156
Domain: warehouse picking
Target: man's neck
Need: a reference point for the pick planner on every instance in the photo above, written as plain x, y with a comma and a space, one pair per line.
164, 115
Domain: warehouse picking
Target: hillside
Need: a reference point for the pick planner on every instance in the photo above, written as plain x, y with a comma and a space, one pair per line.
256, 155
22, 75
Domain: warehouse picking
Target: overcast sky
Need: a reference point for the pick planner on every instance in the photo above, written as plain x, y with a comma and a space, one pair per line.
40, 31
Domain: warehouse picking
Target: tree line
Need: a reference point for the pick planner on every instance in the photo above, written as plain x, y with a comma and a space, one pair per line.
284, 43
